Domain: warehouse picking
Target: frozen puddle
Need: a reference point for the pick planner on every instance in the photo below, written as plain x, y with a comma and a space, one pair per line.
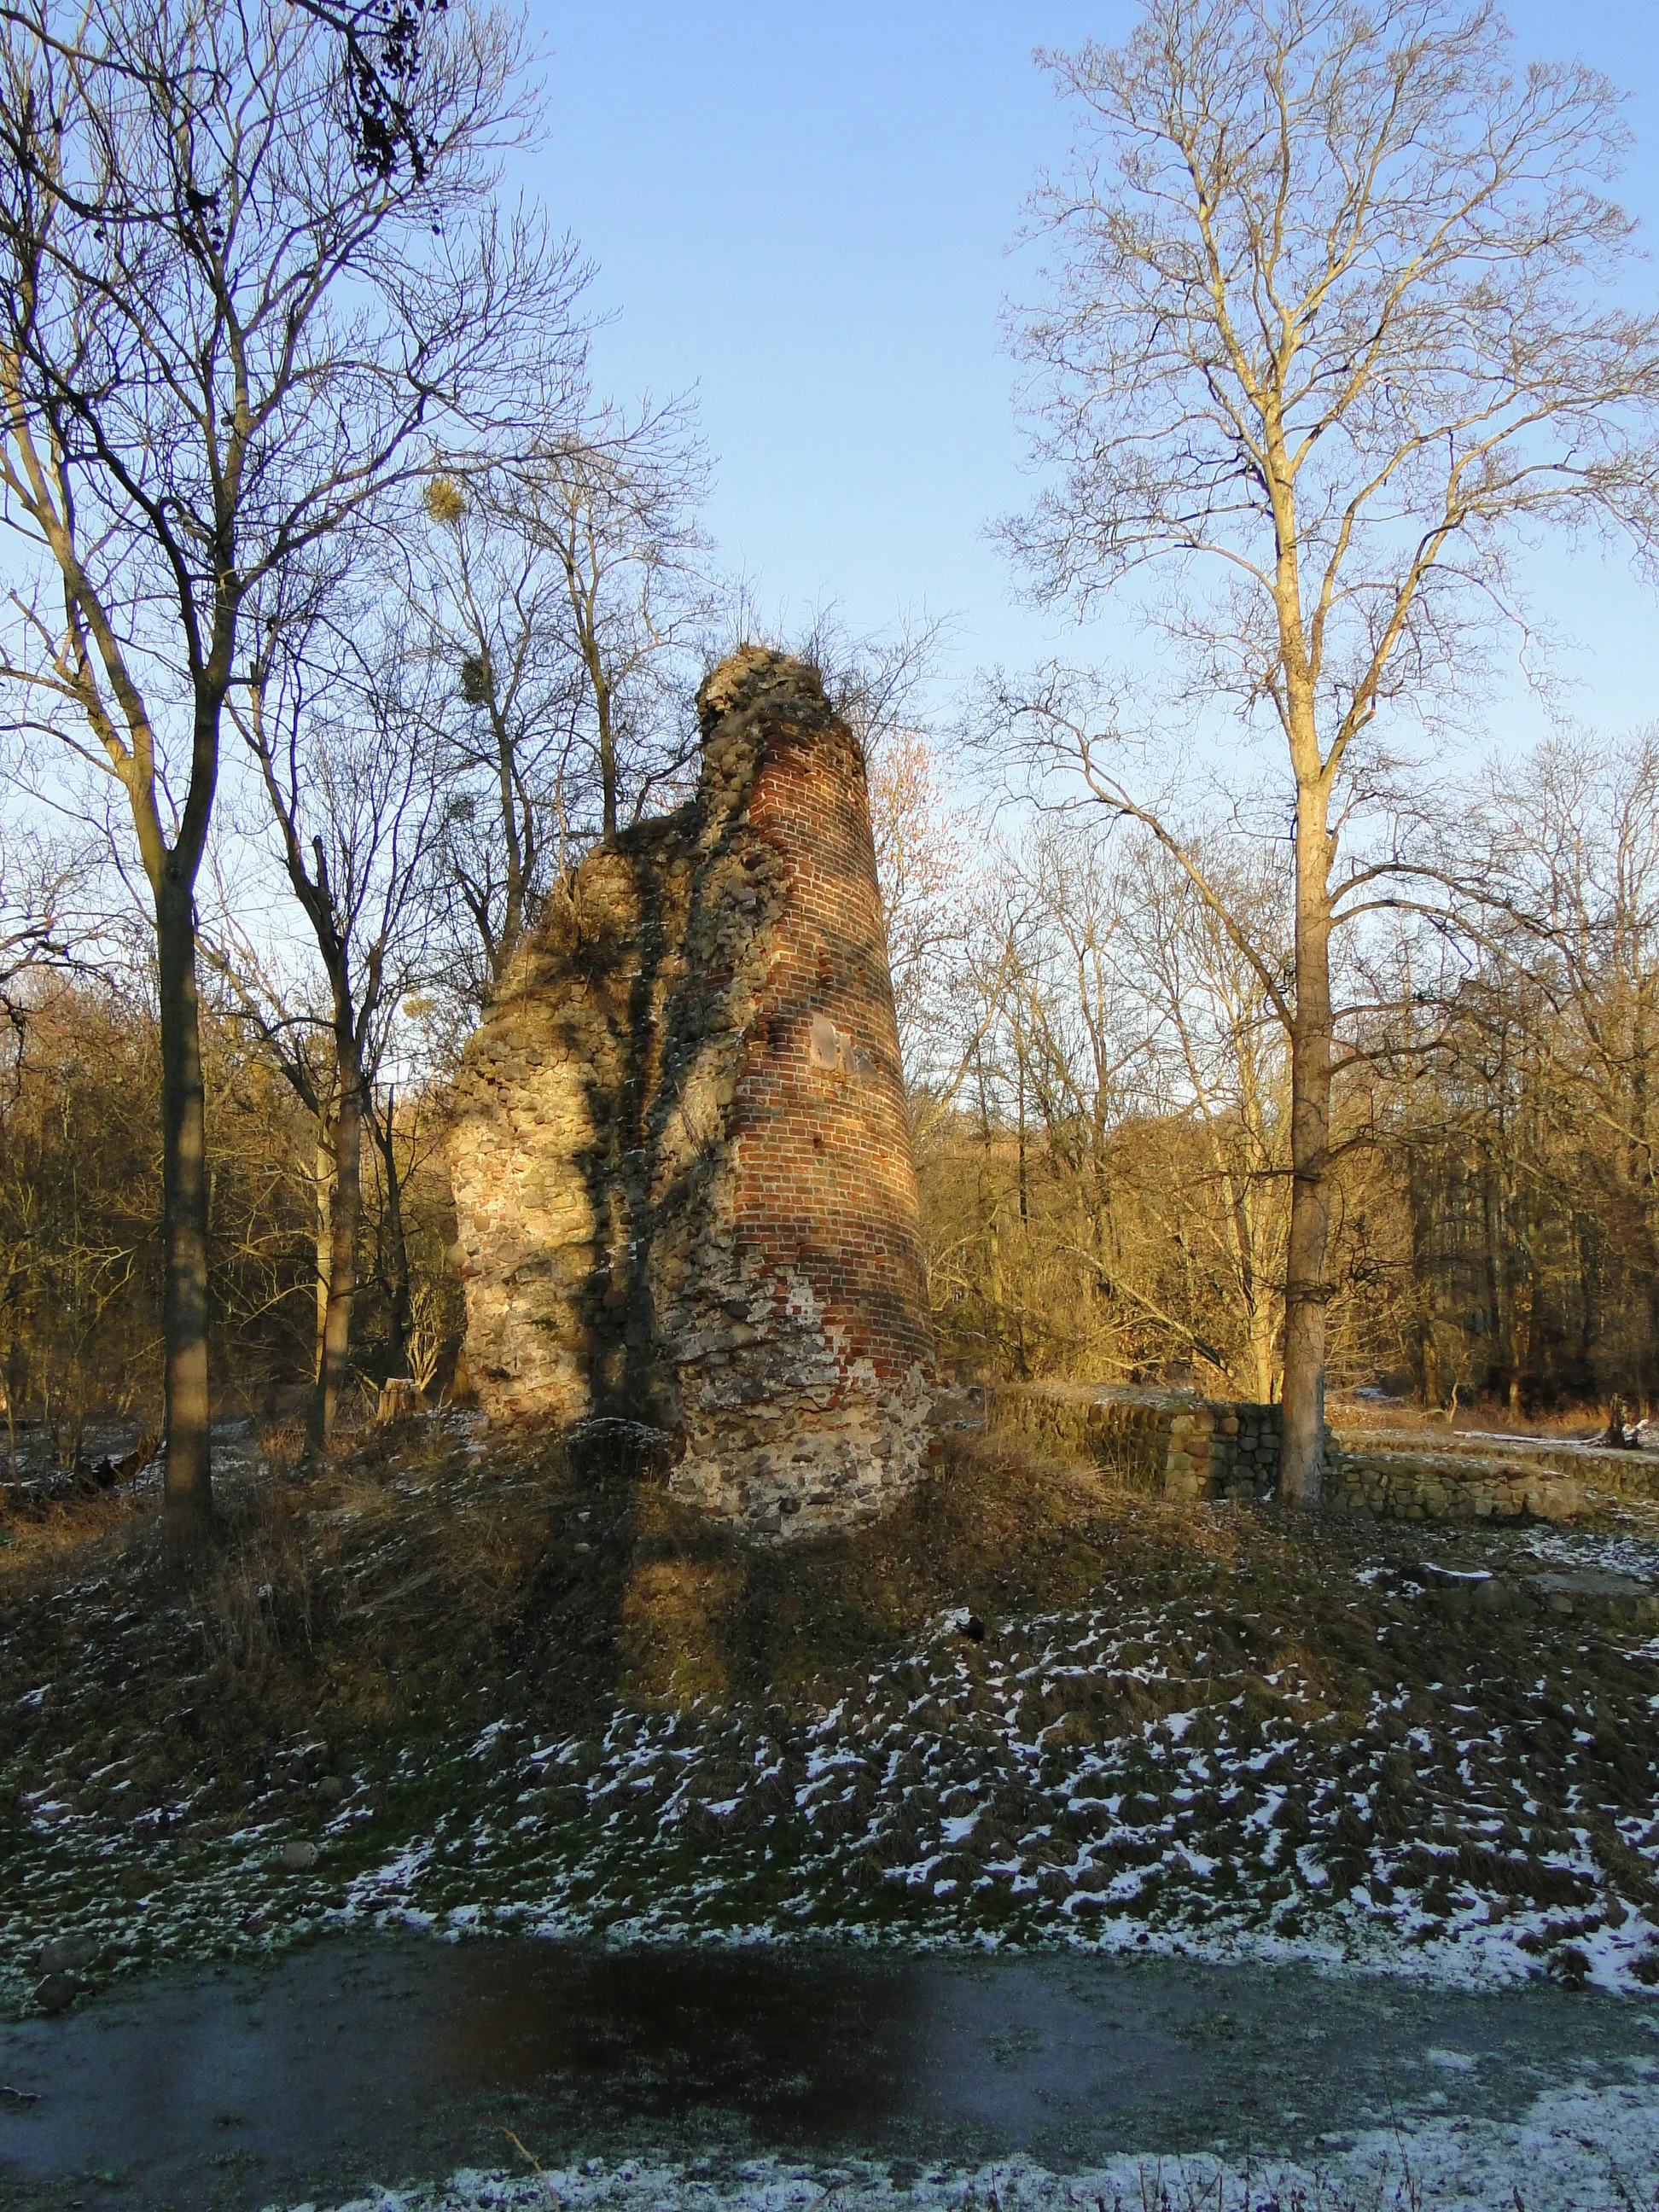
650, 2076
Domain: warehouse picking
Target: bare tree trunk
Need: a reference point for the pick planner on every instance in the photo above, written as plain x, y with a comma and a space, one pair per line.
1024, 1185
1498, 1287
1263, 1333
609, 775
1420, 1205
993, 1207
324, 1240
14, 1372
1301, 1464
342, 1257
394, 1271
188, 1486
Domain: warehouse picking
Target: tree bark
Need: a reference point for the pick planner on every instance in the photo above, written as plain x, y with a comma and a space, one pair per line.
336, 1367
395, 1243
1301, 1466
1500, 1291
187, 1492
325, 1238
14, 1372
1262, 1347
1419, 1199
511, 929
609, 776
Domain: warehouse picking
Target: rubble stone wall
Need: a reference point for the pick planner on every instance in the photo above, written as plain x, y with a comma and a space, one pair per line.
1165, 1442
1170, 1444
682, 1156
1398, 1486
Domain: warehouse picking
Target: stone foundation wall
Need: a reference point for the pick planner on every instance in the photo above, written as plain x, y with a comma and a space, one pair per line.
1164, 1442
1602, 1468
1406, 1486
1169, 1444
682, 1156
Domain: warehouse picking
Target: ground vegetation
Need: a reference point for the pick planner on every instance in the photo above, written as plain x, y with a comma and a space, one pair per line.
519, 1688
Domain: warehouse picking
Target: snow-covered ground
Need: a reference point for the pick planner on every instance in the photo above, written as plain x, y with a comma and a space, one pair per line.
1448, 1779
1085, 1778
1578, 2150
1166, 1767
950, 1798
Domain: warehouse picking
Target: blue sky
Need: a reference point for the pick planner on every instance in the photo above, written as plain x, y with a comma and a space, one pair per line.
804, 211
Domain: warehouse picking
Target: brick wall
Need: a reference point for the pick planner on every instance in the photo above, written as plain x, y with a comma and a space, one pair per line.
682, 1160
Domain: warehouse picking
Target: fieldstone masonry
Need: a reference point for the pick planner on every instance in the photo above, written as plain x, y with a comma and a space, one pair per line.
1172, 1444
682, 1158
1166, 1443
1400, 1486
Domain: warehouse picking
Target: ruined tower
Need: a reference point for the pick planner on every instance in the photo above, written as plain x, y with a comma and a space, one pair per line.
682, 1158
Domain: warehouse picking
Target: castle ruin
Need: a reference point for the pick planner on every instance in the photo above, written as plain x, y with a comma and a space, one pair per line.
681, 1158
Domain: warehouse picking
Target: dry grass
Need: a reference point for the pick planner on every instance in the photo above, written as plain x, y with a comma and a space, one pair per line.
1375, 1417
39, 1547
407, 1576
379, 1615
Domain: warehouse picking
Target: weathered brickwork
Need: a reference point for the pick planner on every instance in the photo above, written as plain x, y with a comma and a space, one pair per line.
682, 1159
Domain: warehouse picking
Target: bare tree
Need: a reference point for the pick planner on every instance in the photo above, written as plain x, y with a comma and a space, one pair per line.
922, 835
1562, 865
284, 1010
560, 594
616, 503
381, 48
357, 812
487, 613
40, 884
223, 335
1326, 326
1225, 1049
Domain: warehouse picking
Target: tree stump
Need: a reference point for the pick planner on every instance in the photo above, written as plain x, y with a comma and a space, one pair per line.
400, 1397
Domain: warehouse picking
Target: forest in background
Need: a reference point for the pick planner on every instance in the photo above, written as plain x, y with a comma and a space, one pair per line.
1099, 1094
1253, 1031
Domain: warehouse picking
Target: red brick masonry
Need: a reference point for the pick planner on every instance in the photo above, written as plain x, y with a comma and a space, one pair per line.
682, 1162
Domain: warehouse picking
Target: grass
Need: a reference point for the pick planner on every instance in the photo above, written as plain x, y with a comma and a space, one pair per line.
1387, 2173
509, 1684
1581, 1424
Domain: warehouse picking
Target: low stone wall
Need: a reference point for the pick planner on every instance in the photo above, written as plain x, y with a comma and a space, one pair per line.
1412, 1486
1169, 1444
1601, 1468
1164, 1442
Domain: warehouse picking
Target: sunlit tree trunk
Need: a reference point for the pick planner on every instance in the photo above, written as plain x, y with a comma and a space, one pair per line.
394, 1242
1310, 1209
324, 1194
334, 1370
1301, 1464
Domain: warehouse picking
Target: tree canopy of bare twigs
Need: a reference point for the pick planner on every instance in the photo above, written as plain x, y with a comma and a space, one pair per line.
1328, 322
225, 338
562, 595
355, 802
